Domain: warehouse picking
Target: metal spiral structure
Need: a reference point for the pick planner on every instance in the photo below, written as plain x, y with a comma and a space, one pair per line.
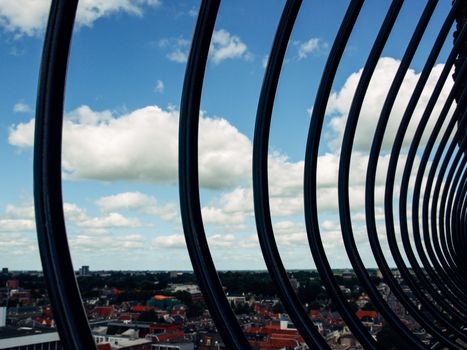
438, 213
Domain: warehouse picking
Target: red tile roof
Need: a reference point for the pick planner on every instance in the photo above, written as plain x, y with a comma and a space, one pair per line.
170, 336
362, 313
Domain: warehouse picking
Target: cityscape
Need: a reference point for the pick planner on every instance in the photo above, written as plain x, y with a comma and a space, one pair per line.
236, 175
155, 310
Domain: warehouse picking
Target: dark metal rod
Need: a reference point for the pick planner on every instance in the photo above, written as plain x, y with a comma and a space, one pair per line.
439, 271
389, 196
421, 318
344, 168
447, 265
438, 227
190, 207
58, 269
310, 176
452, 319
414, 145
455, 222
460, 216
264, 227
445, 211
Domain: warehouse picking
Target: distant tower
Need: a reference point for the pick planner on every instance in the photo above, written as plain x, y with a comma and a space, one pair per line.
84, 270
5, 270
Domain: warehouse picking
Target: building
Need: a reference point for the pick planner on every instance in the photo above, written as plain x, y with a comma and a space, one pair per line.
25, 338
174, 346
126, 344
3, 313
84, 270
12, 284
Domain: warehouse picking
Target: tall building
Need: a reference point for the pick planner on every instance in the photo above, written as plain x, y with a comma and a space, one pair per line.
84, 270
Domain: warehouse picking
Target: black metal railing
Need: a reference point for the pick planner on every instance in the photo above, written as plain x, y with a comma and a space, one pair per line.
438, 201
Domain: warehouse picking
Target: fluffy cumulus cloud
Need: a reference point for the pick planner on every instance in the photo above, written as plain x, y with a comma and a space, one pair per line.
340, 101
224, 45
311, 46
137, 201
29, 17
142, 146
177, 49
227, 46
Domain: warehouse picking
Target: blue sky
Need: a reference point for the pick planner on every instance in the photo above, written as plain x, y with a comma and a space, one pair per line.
122, 98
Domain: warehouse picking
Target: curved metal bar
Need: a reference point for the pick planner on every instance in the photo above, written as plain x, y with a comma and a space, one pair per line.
456, 294
423, 281
421, 318
190, 207
461, 196
447, 266
344, 167
450, 211
260, 181
403, 197
445, 211
438, 228
58, 269
455, 216
388, 202
462, 208
310, 176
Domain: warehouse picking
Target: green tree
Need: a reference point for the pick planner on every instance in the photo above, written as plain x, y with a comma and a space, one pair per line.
196, 309
184, 297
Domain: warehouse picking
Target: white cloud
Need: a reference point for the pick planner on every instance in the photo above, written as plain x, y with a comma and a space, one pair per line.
142, 146
221, 241
114, 220
159, 87
22, 135
227, 46
87, 243
313, 45
223, 46
17, 244
139, 202
21, 108
340, 101
177, 241
178, 56
29, 17
213, 215
171, 241
16, 225
177, 47
78, 217
23, 212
